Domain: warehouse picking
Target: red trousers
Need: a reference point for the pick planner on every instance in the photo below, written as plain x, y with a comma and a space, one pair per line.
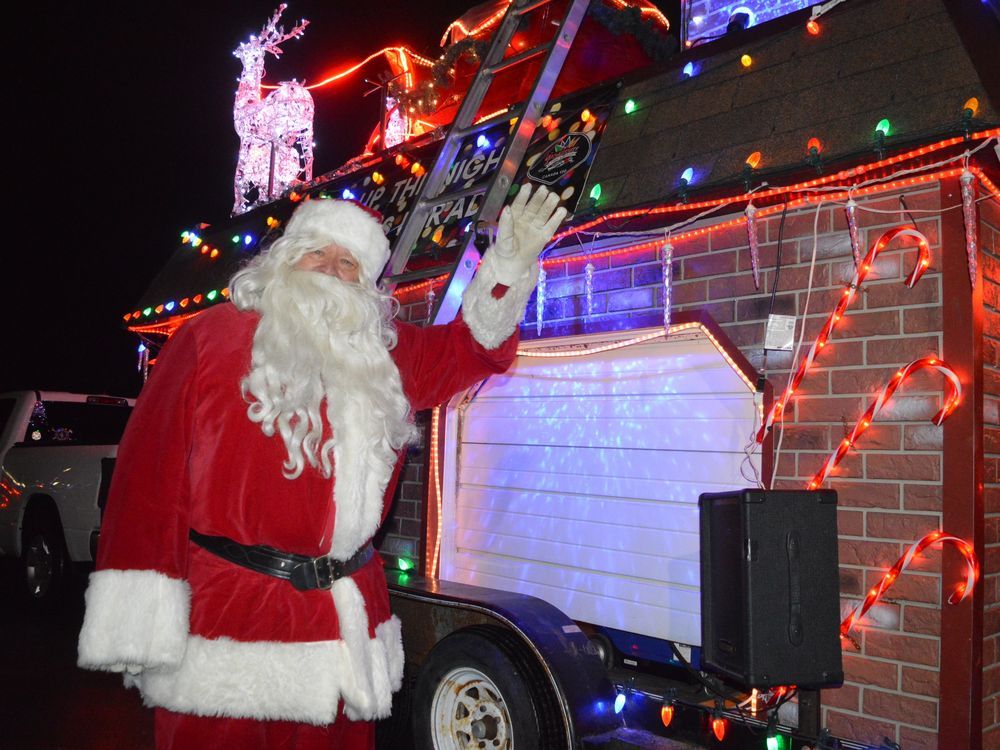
186, 732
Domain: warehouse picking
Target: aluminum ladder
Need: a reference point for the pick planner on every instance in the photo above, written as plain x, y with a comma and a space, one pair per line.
432, 192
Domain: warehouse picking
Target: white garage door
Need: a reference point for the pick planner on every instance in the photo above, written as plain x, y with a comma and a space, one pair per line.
576, 478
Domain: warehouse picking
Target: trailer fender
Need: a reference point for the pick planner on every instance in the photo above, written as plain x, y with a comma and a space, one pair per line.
433, 609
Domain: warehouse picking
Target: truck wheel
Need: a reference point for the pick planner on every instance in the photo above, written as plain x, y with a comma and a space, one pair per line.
43, 560
475, 692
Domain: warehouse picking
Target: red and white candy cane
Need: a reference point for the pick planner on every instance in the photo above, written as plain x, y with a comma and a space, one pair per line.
961, 592
950, 403
923, 261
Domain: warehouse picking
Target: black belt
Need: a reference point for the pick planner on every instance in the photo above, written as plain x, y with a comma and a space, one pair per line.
303, 572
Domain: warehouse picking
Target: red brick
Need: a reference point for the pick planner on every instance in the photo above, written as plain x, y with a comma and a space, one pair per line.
919, 739
850, 522
799, 437
713, 264
767, 259
991, 738
902, 647
991, 680
921, 319
991, 440
828, 409
910, 408
861, 325
868, 381
797, 277
809, 465
919, 437
734, 236
720, 312
871, 671
859, 728
906, 527
912, 466
896, 294
923, 497
908, 587
879, 437
991, 469
901, 350
725, 287
840, 354
922, 620
868, 554
853, 494
898, 707
851, 581
847, 697
687, 292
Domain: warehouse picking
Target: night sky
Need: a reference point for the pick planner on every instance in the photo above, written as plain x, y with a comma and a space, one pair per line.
122, 137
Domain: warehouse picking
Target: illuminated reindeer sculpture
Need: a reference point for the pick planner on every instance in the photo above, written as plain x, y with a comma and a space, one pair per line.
276, 133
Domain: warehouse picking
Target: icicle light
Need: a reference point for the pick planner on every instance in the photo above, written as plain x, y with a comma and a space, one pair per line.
588, 275
969, 214
540, 299
667, 260
751, 212
852, 227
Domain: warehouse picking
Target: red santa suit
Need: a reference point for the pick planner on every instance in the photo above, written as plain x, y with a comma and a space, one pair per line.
199, 635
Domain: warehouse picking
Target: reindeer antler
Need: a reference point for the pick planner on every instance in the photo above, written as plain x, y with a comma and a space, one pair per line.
272, 34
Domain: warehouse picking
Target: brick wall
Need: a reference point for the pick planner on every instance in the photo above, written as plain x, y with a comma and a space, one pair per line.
708, 18
890, 491
990, 263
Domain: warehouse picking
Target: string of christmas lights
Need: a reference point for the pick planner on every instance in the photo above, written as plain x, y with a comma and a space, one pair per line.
950, 404
959, 594
923, 261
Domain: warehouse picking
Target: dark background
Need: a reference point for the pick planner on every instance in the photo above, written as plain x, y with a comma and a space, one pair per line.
123, 137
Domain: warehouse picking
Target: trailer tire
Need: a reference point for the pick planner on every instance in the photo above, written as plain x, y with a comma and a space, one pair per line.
474, 691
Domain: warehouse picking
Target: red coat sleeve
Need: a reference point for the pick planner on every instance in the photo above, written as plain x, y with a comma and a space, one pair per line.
145, 525
436, 362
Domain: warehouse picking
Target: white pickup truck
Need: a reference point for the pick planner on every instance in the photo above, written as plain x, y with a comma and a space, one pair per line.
58, 451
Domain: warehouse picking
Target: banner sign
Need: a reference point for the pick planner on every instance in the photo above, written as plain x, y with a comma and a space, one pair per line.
559, 156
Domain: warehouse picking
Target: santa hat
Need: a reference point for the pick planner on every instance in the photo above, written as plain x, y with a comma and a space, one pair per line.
347, 223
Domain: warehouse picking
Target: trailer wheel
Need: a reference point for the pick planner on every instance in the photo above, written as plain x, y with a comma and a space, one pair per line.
473, 692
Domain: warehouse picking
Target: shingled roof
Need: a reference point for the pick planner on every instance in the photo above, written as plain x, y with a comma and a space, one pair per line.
913, 62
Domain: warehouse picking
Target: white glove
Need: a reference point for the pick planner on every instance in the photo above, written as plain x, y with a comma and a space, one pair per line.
525, 227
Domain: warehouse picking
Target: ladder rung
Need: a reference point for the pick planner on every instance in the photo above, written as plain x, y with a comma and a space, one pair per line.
520, 57
524, 10
418, 275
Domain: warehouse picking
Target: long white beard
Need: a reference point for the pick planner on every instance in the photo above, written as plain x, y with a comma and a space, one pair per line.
320, 338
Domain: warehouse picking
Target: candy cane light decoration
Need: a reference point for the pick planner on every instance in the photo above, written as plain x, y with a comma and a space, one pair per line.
950, 403
961, 592
923, 261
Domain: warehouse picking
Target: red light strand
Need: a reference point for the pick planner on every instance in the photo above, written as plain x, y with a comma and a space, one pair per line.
950, 404
923, 261
961, 592
846, 174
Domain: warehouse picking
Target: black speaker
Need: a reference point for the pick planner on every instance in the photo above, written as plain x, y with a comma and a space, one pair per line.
770, 591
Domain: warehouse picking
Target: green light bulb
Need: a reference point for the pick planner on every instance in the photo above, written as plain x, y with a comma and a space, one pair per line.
883, 126
405, 564
630, 106
212, 294
595, 192
236, 238
148, 311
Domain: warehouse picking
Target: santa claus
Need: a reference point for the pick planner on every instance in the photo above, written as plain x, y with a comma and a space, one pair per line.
236, 585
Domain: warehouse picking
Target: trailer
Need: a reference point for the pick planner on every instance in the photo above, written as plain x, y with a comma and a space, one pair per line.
759, 368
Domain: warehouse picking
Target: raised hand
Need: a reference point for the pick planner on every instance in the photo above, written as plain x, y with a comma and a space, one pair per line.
525, 227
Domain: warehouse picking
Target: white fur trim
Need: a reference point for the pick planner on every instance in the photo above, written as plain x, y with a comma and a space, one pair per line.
361, 476
493, 320
327, 220
300, 682
135, 619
